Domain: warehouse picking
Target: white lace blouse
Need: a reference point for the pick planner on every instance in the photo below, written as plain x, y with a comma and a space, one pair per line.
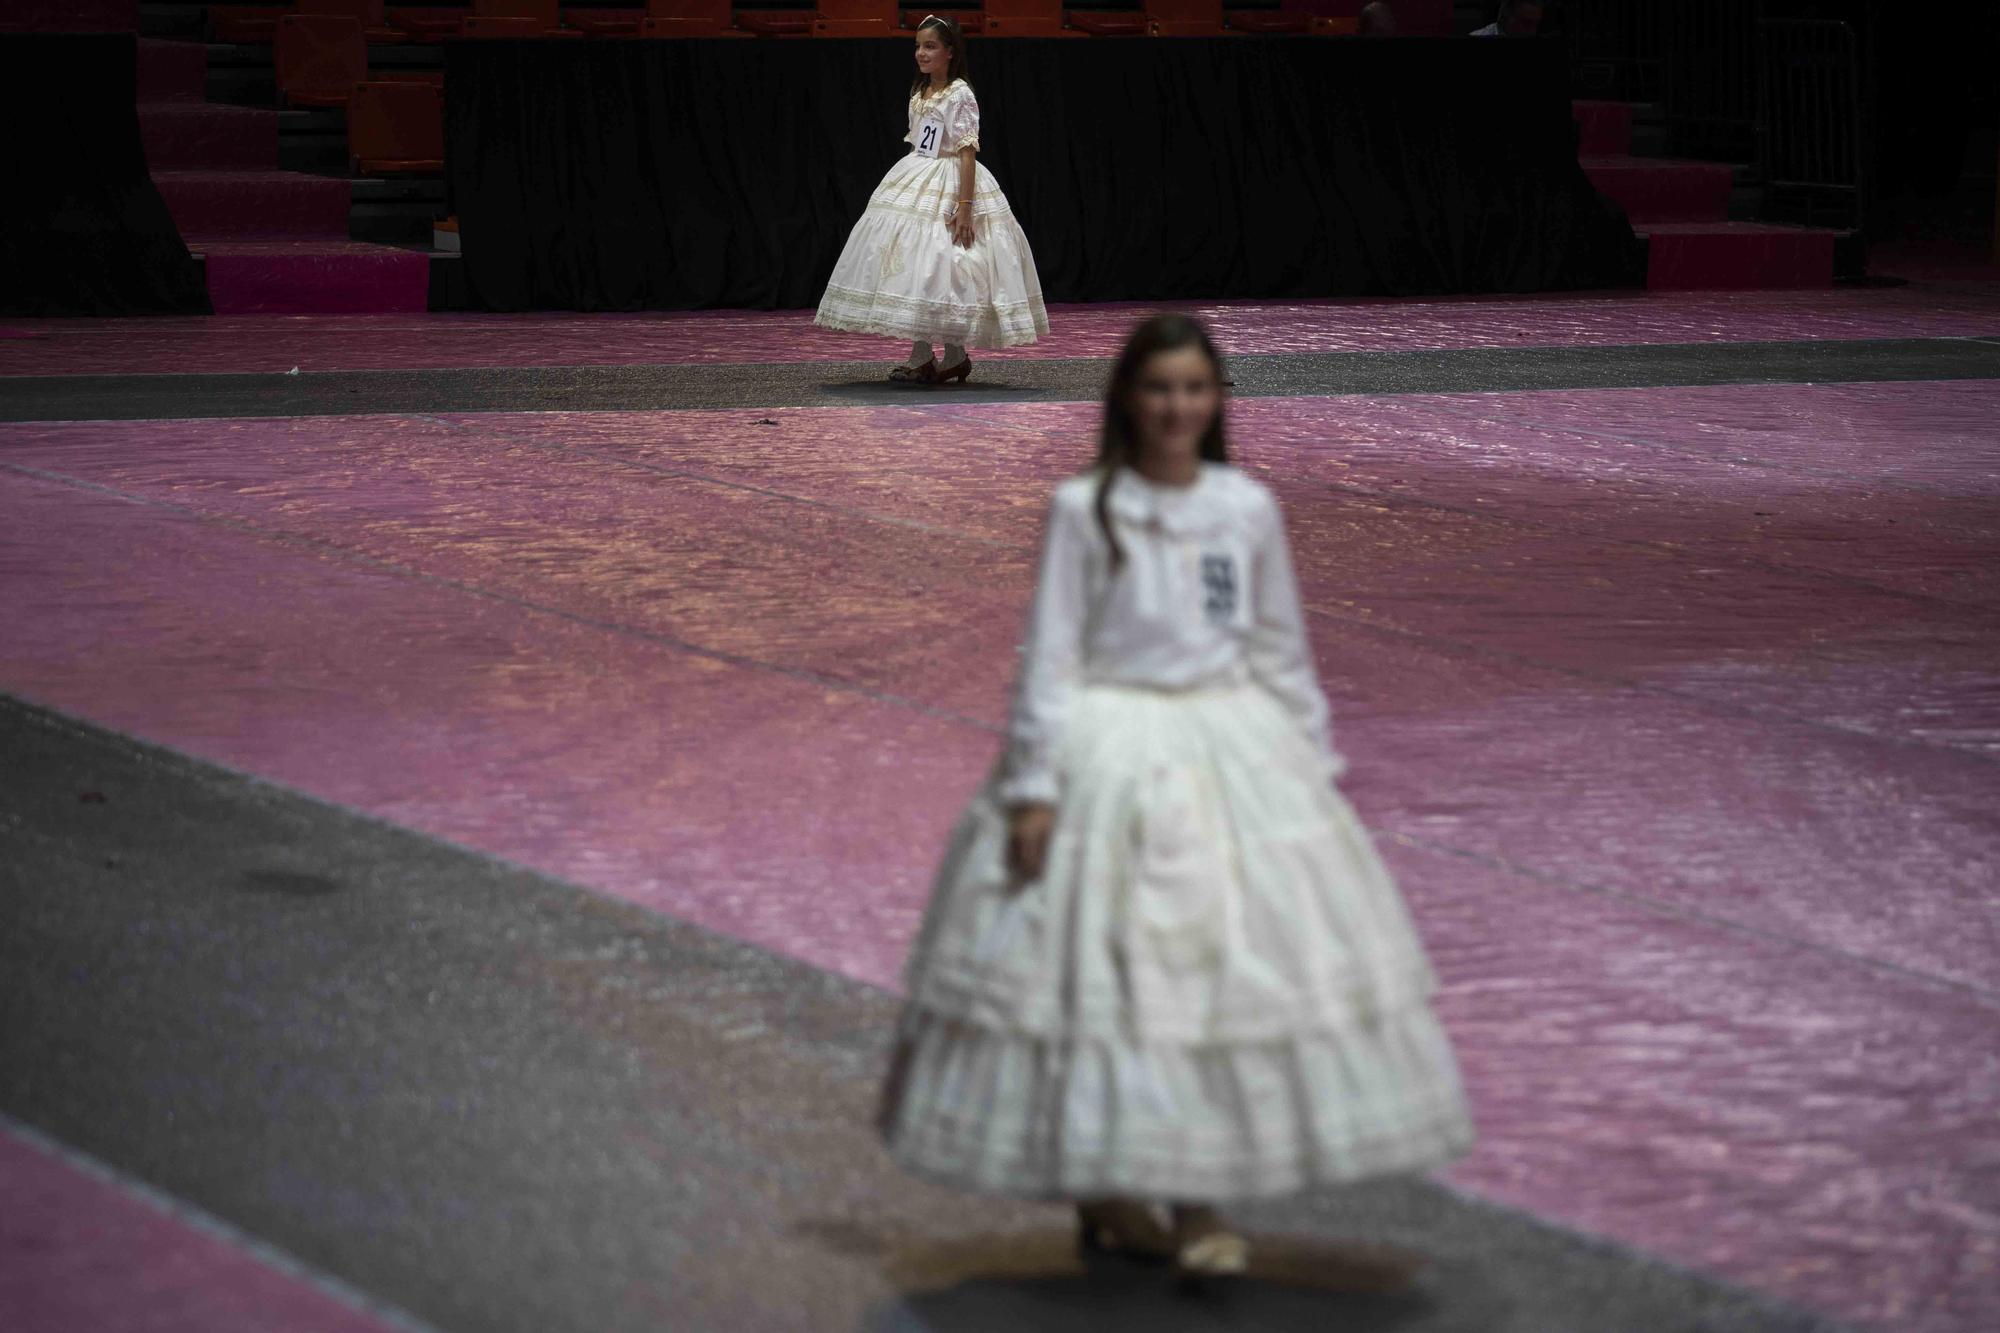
1206, 596
956, 107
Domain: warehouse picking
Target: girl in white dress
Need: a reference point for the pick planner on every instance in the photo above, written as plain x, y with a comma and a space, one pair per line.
937, 255
1162, 963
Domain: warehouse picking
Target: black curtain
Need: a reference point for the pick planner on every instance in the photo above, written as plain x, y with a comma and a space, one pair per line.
672, 175
84, 231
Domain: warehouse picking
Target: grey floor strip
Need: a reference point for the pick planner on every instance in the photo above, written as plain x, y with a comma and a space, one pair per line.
833, 384
503, 1103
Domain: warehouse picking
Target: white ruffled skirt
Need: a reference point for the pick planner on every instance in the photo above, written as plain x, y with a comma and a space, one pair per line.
1213, 992
901, 274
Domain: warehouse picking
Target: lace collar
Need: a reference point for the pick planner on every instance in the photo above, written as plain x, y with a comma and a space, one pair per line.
937, 94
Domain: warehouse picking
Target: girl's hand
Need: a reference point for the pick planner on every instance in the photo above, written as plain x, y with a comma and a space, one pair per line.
961, 226
1028, 830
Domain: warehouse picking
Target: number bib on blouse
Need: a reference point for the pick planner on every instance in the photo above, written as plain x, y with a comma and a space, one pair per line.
930, 136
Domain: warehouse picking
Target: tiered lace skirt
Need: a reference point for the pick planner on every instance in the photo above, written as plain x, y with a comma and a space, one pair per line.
902, 275
1213, 992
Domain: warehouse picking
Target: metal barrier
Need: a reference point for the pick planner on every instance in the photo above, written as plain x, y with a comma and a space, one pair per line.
1616, 47
1709, 70
1812, 123
1696, 58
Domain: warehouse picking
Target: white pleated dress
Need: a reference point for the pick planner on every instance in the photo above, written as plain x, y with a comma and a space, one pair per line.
1214, 990
901, 274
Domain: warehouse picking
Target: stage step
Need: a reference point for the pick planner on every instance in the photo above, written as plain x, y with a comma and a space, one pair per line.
200, 135
172, 71
299, 276
1736, 256
1604, 129
255, 203
1663, 190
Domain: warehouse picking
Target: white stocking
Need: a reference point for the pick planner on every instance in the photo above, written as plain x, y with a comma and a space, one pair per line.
920, 352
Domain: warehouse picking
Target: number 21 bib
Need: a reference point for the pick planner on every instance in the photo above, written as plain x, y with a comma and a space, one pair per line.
930, 136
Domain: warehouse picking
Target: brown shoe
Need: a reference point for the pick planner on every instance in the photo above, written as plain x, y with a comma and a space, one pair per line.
1124, 1228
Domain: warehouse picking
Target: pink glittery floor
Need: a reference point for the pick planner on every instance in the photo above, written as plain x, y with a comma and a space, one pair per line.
1676, 711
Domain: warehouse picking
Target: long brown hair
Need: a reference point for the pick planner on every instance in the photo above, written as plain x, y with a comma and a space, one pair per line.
948, 33
1117, 441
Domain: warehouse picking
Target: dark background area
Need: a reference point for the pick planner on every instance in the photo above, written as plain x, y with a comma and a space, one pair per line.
668, 175
84, 231
1927, 92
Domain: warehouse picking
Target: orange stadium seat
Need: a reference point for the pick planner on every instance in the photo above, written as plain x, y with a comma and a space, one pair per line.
318, 58
1205, 18
1027, 18
970, 21
482, 28
1269, 20
371, 14
690, 18
547, 14
394, 128
1184, 18
596, 21
428, 22
1108, 22
246, 24
855, 18
777, 22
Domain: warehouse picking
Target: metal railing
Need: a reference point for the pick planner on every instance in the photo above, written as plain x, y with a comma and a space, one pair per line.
1812, 123
1616, 47
1696, 58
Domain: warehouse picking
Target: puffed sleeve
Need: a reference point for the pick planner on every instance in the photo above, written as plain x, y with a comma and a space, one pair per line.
1278, 654
963, 120
1051, 663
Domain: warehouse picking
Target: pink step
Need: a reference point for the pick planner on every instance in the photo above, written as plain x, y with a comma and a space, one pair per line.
257, 204
203, 134
172, 71
297, 276
1661, 190
1736, 255
1606, 127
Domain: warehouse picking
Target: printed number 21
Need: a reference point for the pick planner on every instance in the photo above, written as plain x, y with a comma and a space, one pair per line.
929, 143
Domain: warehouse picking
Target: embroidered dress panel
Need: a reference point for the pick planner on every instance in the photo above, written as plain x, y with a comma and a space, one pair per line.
901, 273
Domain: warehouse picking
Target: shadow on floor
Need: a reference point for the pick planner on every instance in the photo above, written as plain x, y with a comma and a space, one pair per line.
883, 390
1034, 1280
